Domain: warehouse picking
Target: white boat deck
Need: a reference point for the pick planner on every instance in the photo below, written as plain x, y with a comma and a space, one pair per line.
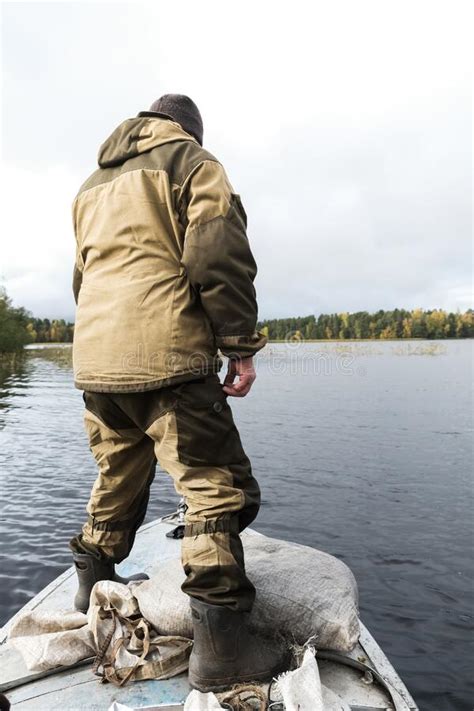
77, 688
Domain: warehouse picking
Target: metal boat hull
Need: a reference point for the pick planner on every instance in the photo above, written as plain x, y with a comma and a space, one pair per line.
77, 688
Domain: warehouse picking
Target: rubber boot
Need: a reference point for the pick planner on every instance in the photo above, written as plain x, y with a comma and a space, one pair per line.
226, 653
89, 571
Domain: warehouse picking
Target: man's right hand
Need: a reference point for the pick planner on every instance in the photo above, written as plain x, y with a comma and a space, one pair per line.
244, 370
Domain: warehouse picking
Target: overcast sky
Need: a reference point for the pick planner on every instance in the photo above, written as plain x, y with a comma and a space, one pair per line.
344, 125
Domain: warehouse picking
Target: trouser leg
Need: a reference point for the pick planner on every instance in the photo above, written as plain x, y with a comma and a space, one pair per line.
119, 498
198, 444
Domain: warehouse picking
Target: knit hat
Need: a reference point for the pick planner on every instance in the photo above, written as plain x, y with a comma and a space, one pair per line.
183, 110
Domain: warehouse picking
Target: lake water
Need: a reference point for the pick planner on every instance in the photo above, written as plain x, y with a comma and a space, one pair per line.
362, 449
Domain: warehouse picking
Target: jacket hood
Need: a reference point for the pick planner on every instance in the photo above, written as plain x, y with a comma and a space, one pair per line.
139, 135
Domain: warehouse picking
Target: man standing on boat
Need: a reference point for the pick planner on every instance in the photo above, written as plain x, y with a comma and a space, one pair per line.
163, 280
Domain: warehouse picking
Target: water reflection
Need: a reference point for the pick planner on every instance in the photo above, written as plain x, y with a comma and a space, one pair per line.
14, 379
20, 372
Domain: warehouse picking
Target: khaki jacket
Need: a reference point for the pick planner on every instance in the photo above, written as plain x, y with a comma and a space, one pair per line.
164, 273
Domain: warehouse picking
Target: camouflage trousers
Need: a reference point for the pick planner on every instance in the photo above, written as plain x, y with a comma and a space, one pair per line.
190, 431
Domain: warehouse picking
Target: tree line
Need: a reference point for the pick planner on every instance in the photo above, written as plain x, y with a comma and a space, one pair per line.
398, 323
18, 327
42, 330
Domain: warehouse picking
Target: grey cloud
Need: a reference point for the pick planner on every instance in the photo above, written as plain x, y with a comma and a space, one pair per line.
362, 210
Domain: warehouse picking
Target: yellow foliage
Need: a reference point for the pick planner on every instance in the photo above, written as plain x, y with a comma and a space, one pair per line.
388, 332
406, 328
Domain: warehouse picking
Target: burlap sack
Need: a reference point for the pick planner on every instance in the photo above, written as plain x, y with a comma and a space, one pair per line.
301, 592
124, 645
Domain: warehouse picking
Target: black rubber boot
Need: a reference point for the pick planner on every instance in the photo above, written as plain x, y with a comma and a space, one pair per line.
226, 653
89, 571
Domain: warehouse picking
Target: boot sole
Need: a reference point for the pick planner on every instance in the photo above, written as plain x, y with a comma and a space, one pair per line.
224, 683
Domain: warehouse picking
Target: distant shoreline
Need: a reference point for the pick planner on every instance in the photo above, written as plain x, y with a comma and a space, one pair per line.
53, 344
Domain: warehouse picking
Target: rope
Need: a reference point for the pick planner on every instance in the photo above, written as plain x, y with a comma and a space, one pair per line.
248, 697
103, 649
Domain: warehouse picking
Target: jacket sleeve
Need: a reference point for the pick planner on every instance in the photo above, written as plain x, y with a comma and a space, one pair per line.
76, 282
218, 260
78, 264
